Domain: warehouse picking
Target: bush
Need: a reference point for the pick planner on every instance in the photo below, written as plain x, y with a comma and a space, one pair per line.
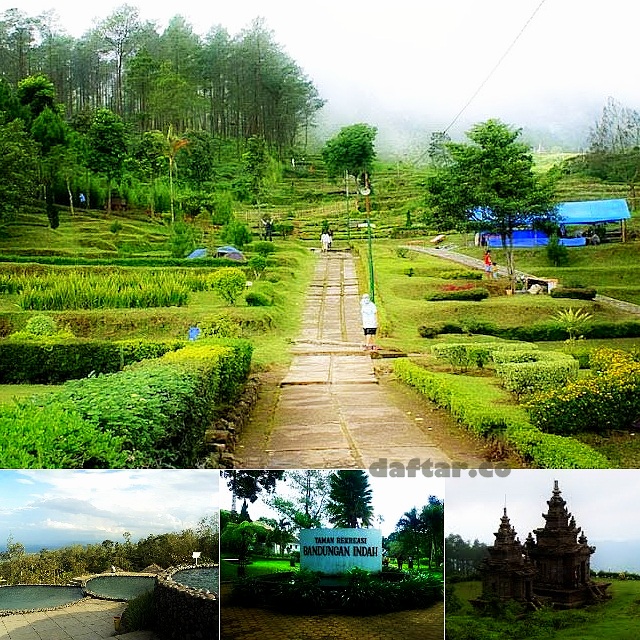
41, 325
608, 399
257, 264
258, 299
483, 410
54, 360
578, 293
236, 233
548, 370
263, 248
475, 294
153, 413
140, 613
228, 283
55, 437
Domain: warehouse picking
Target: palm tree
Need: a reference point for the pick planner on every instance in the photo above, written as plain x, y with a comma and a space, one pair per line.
350, 499
174, 144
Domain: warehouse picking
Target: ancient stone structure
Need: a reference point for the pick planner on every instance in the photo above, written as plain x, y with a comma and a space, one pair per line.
507, 574
552, 568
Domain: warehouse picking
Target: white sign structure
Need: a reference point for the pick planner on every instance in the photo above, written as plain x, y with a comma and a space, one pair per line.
196, 555
337, 550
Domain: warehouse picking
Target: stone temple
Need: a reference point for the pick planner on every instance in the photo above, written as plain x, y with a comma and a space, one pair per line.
551, 569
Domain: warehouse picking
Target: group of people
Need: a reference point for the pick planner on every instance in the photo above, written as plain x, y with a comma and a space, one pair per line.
326, 238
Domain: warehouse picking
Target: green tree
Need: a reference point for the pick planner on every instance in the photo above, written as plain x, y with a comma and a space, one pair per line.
107, 147
351, 151
249, 484
18, 168
307, 505
50, 132
228, 283
491, 182
236, 233
350, 499
239, 538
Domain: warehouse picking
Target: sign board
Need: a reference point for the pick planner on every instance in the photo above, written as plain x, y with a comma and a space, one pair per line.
337, 550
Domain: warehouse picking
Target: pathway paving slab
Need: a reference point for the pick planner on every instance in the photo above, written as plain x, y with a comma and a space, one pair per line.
330, 411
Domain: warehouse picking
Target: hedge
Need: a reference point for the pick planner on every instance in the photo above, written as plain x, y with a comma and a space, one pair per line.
577, 293
153, 413
547, 369
548, 331
53, 437
467, 355
483, 409
52, 361
474, 294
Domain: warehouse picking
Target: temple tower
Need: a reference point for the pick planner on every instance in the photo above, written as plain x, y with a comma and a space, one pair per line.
561, 555
507, 574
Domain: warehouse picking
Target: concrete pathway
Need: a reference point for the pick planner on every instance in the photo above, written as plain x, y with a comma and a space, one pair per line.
330, 411
88, 619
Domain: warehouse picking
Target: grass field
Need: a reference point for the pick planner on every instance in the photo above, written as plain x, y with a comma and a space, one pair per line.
614, 619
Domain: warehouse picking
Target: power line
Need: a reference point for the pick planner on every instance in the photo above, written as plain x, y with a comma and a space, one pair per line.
495, 67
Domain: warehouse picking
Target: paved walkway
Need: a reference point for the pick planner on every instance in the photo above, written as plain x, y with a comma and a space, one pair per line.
89, 619
330, 412
238, 623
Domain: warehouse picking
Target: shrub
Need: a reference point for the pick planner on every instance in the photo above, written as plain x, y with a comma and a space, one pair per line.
140, 613
483, 410
547, 370
578, 293
41, 325
475, 294
608, 399
464, 355
557, 254
221, 326
228, 283
258, 299
263, 248
257, 264
55, 437
236, 233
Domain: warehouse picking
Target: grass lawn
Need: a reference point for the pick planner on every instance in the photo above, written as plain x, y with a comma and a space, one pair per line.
613, 619
9, 393
258, 567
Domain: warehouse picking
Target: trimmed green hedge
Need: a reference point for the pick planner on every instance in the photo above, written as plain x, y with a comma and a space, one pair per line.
153, 413
577, 293
52, 361
485, 410
548, 331
525, 372
475, 295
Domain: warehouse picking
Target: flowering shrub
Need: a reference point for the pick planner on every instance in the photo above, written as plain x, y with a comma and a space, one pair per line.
607, 399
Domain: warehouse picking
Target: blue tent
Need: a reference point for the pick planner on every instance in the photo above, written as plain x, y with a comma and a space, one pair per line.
197, 253
593, 211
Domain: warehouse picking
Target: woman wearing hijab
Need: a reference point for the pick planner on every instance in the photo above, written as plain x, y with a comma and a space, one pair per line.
369, 314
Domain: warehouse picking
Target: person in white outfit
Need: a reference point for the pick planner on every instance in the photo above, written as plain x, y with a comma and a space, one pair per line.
325, 241
369, 314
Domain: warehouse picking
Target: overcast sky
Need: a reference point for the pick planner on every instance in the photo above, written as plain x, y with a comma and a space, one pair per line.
409, 67
603, 502
392, 497
51, 508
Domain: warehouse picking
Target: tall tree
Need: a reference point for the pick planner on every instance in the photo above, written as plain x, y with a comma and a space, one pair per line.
107, 147
307, 505
18, 168
350, 499
249, 484
352, 151
491, 182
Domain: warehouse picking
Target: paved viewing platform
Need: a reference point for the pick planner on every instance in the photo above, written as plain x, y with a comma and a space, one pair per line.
329, 411
88, 619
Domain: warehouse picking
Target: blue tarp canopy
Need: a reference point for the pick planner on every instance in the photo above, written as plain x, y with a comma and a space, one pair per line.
197, 253
592, 211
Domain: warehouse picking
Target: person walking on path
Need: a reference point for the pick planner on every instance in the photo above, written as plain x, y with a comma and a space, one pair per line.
488, 264
369, 313
325, 241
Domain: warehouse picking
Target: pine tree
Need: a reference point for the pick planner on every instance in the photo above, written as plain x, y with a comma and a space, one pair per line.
350, 499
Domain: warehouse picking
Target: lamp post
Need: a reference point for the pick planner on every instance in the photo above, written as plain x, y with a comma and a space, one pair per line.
366, 192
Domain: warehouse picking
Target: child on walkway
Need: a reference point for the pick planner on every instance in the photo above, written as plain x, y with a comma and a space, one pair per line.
369, 313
